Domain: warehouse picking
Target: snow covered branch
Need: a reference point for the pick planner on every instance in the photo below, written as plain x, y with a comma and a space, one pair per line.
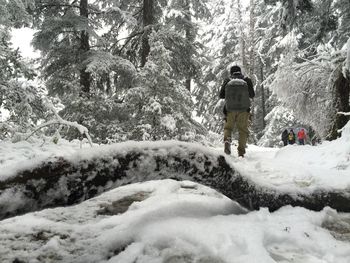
344, 113
82, 129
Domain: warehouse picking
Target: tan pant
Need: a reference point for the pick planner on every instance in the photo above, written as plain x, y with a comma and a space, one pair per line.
241, 120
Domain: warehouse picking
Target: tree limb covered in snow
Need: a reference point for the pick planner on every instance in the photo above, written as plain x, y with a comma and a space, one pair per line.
82, 129
344, 113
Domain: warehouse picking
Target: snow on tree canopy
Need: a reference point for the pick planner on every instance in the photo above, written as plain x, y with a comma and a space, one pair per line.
305, 89
103, 62
169, 122
121, 14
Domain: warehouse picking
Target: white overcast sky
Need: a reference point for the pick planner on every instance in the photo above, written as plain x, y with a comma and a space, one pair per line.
21, 39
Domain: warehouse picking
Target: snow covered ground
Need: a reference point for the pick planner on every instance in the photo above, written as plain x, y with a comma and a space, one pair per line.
170, 221
173, 221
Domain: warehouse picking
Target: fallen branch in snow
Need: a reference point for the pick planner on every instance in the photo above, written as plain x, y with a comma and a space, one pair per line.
343, 113
65, 182
82, 129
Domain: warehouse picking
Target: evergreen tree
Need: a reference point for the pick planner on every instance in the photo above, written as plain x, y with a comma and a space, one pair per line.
148, 20
223, 39
278, 119
180, 18
78, 65
164, 105
19, 96
93, 53
268, 51
317, 87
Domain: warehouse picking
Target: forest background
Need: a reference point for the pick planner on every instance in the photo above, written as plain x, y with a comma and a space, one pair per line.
120, 70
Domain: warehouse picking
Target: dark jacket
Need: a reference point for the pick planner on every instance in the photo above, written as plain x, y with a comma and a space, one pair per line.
237, 76
285, 135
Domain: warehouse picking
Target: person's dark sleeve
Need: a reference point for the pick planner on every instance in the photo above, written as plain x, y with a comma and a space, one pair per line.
250, 87
222, 90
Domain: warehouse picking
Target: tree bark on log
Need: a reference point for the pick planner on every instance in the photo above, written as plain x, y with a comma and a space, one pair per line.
63, 182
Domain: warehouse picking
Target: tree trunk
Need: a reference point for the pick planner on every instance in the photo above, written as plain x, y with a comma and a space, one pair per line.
242, 40
252, 38
342, 93
188, 83
189, 38
85, 77
263, 106
148, 19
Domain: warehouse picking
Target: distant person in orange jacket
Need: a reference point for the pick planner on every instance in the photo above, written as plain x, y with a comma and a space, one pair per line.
301, 137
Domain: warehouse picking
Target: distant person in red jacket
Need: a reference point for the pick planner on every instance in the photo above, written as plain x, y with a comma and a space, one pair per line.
301, 137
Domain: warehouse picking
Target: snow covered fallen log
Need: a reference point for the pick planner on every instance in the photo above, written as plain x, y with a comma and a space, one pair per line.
70, 180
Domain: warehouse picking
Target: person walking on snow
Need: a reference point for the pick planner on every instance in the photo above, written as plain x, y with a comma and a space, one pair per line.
291, 137
284, 137
237, 92
301, 137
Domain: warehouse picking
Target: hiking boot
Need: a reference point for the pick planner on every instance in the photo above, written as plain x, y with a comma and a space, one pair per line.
227, 149
241, 152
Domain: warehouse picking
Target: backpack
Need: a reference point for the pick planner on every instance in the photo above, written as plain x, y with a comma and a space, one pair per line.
290, 137
237, 95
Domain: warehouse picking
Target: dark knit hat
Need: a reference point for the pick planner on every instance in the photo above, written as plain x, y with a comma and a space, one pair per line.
235, 69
